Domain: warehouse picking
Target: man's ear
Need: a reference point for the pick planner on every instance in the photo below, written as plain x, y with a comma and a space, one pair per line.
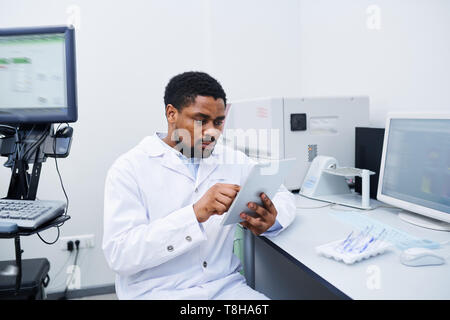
171, 113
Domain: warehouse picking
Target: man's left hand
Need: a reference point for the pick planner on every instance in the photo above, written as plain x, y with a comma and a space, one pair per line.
266, 216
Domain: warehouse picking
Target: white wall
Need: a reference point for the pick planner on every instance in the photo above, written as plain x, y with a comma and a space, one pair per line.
128, 50
405, 65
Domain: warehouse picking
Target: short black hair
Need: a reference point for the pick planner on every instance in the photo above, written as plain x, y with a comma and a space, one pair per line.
183, 88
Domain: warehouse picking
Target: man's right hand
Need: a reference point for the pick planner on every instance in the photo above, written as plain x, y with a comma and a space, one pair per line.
217, 200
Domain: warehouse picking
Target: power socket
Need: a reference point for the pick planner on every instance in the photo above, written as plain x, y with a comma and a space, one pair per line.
86, 241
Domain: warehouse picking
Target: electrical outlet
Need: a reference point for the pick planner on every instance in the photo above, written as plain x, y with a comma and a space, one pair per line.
86, 241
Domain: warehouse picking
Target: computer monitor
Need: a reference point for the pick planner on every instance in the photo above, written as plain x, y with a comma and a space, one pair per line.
37, 75
415, 168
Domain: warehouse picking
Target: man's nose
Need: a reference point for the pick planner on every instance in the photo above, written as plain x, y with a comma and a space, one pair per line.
211, 134
209, 138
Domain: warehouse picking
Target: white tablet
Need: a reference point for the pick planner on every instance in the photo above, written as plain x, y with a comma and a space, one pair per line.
267, 178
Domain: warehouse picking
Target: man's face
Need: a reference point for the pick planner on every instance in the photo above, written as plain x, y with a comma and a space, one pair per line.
199, 125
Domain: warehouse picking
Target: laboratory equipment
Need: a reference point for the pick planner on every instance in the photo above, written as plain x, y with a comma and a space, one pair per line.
29, 214
37, 75
356, 246
37, 91
368, 150
34, 279
325, 181
415, 168
301, 128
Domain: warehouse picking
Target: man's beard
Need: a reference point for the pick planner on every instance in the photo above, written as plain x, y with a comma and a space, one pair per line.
196, 151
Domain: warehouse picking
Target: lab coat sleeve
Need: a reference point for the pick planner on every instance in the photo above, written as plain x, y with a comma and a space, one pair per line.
132, 242
284, 202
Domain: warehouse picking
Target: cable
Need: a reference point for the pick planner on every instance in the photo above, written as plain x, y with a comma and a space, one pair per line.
62, 284
82, 258
337, 204
318, 207
62, 186
333, 205
59, 174
349, 208
57, 237
60, 180
77, 245
63, 266
384, 206
24, 156
324, 206
35, 145
23, 140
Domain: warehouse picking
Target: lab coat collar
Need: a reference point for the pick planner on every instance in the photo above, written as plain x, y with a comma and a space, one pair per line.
153, 145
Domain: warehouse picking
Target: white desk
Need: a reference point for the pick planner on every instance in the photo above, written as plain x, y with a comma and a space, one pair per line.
380, 277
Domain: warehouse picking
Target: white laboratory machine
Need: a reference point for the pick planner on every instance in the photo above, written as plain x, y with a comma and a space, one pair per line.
326, 181
301, 128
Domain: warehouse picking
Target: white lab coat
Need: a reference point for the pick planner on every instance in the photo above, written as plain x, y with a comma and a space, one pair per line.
152, 239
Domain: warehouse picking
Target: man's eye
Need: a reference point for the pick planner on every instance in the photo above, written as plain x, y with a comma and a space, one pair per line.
218, 123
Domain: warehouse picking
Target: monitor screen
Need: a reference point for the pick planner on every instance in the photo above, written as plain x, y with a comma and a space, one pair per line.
417, 162
37, 75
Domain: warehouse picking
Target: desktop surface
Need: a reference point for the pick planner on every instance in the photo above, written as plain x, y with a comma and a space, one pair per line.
380, 277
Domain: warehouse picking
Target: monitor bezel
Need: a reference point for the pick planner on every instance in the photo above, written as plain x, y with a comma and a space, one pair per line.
408, 206
71, 81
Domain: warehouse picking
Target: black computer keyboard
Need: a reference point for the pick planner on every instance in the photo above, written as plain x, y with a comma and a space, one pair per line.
30, 213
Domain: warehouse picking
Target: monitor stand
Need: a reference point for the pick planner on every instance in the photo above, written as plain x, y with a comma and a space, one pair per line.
423, 221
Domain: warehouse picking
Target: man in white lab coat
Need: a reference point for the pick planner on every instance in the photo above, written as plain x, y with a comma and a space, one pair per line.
164, 201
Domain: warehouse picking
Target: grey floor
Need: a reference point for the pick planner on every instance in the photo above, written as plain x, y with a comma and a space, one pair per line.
111, 296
